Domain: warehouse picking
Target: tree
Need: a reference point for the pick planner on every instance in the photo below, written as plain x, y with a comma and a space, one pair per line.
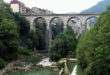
56, 30
5, 12
108, 8
9, 39
23, 24
93, 49
41, 34
62, 44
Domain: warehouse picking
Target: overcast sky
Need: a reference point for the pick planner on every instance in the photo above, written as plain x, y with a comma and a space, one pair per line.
60, 6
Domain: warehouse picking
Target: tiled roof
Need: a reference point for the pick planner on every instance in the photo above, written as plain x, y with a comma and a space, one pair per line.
15, 2
28, 9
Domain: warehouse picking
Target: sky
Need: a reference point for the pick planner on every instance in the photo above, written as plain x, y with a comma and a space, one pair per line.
60, 6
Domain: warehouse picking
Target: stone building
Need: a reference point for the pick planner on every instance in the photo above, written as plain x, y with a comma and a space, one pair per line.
29, 11
20, 7
40, 11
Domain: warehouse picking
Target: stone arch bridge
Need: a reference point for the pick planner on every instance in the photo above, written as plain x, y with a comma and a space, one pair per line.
65, 18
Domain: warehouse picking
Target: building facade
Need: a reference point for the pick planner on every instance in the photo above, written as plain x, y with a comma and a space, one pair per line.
19, 7
41, 11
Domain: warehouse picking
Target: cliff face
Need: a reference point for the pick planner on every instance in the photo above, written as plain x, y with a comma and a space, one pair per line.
98, 8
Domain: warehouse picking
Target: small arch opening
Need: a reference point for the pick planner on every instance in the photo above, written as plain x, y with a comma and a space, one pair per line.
40, 33
90, 21
76, 25
56, 25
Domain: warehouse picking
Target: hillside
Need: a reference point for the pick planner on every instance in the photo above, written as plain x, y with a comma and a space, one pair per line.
1, 1
98, 8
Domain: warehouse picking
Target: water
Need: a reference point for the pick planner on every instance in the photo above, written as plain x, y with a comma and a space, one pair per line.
41, 72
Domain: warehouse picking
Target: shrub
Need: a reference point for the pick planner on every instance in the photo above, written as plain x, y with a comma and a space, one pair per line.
8, 39
63, 43
24, 51
2, 63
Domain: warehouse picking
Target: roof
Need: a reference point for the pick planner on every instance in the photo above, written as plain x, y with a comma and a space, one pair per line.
15, 2
28, 9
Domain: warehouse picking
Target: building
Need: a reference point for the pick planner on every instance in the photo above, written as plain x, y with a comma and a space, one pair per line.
18, 6
36, 10
41, 11
29, 11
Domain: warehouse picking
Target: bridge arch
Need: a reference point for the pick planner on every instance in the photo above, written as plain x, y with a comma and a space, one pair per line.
88, 21
39, 19
65, 17
54, 18
56, 26
77, 24
41, 24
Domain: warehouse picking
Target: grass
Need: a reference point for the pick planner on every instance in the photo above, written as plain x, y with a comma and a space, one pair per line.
30, 59
71, 64
80, 71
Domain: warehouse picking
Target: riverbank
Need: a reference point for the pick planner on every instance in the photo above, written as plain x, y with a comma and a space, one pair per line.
9, 67
37, 64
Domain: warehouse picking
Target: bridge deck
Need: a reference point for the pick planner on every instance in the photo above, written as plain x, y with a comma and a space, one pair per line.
59, 14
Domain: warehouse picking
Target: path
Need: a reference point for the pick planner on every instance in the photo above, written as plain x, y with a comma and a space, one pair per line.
74, 70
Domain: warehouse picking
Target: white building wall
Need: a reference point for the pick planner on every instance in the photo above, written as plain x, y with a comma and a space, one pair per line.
15, 7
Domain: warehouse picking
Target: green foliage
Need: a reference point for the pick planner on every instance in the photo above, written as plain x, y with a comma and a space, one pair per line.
1, 2
56, 30
24, 52
41, 39
41, 35
93, 48
5, 12
41, 26
36, 39
62, 44
8, 39
108, 8
2, 63
61, 65
11, 27
23, 24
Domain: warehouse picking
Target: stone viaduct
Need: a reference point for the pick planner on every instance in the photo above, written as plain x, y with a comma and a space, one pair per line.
65, 17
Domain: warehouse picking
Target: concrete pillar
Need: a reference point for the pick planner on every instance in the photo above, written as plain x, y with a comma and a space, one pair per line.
48, 35
32, 25
65, 26
83, 27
